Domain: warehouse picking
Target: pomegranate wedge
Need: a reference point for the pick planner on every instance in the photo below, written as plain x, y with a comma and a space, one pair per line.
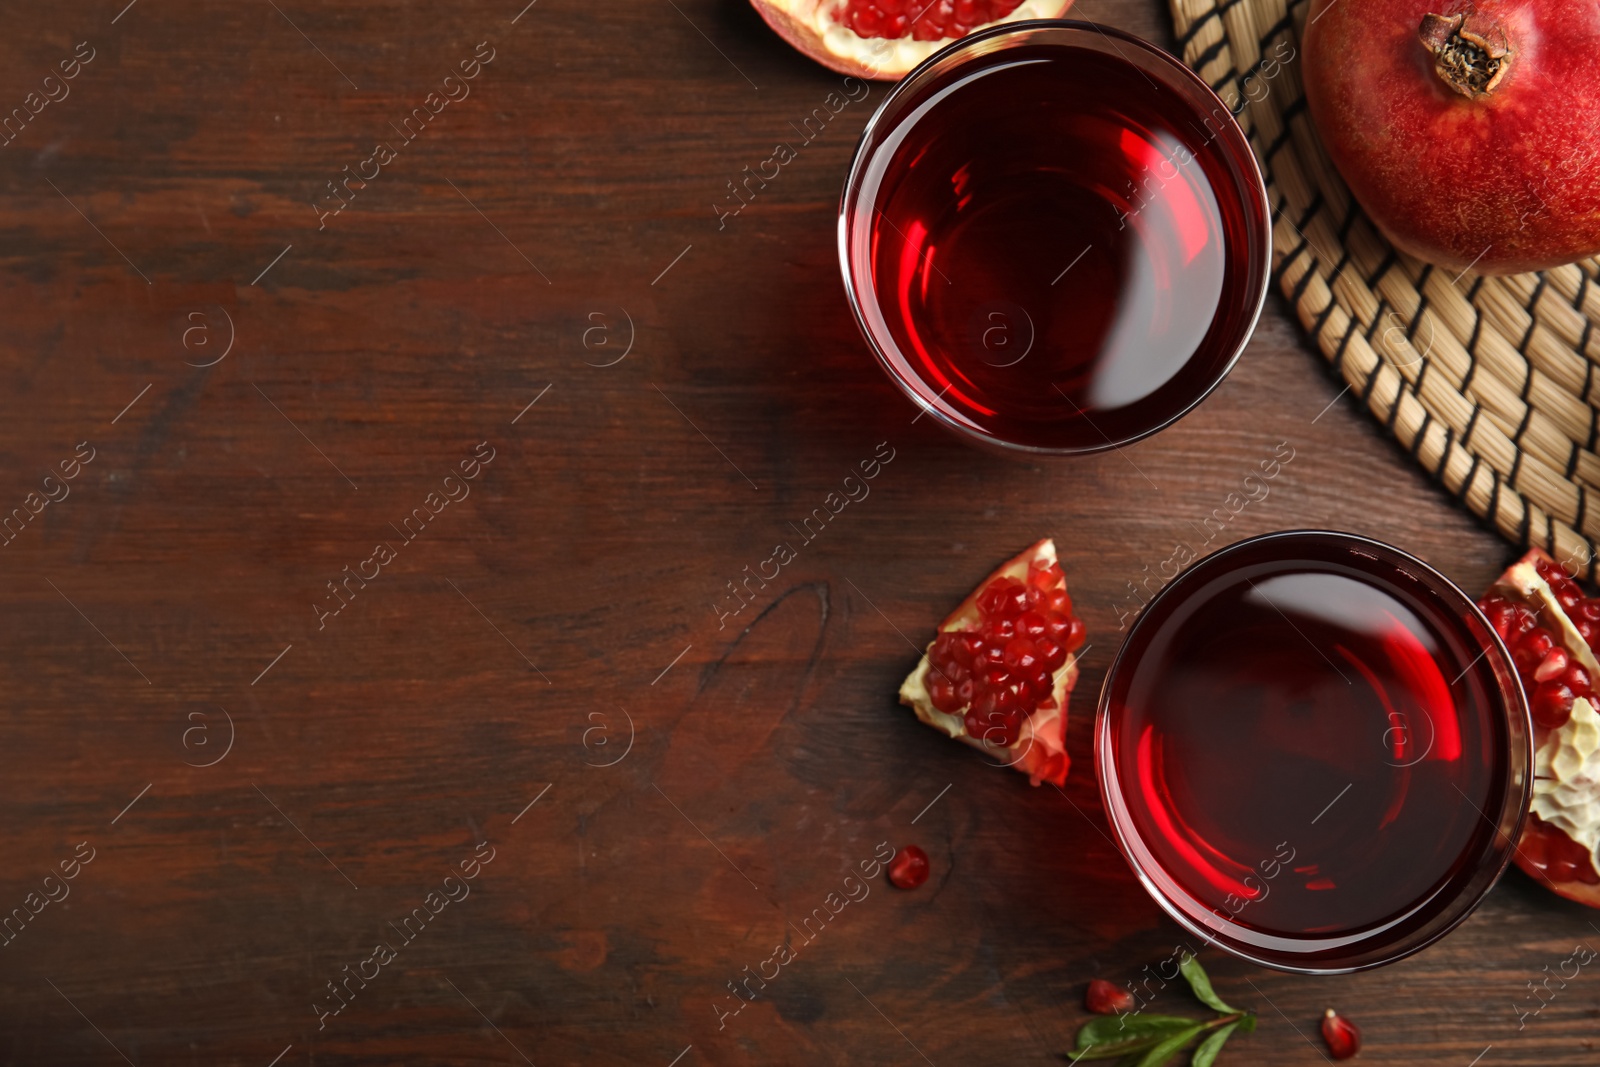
884, 39
1551, 628
999, 673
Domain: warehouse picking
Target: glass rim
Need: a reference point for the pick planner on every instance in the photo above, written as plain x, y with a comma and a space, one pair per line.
1171, 66
1492, 860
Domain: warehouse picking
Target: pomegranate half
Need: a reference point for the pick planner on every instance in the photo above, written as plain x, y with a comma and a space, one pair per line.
884, 39
1552, 629
1469, 132
998, 674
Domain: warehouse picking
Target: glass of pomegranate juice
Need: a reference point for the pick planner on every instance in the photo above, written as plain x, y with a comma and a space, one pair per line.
1315, 752
1055, 237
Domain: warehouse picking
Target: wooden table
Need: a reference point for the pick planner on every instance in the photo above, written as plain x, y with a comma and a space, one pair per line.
534, 295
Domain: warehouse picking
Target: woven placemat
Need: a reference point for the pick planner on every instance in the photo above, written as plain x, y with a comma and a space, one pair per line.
1490, 382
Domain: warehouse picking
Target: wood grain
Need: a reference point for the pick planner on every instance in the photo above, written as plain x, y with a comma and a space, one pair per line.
501, 655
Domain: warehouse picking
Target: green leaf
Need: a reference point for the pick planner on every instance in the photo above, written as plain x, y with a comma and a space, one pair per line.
1248, 1023
1201, 984
1116, 1036
1206, 1054
1163, 1053
1129, 1049
1112, 1029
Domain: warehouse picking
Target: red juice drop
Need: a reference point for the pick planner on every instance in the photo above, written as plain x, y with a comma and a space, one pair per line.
1062, 251
1313, 755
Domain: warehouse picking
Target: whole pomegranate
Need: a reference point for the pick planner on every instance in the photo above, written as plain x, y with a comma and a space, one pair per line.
1470, 132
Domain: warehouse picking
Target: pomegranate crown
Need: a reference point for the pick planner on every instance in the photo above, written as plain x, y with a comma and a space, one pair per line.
1470, 52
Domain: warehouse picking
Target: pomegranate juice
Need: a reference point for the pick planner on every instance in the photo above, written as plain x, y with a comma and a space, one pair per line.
1063, 252
1311, 752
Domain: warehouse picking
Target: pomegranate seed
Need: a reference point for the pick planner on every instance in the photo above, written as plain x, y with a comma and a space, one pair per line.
1342, 1035
1551, 705
1558, 857
1525, 619
1075, 634
1103, 998
1569, 598
988, 728
1003, 629
1053, 656
1576, 852
966, 689
1562, 871
909, 868
1010, 729
994, 655
1499, 616
1530, 650
1570, 863
1013, 734
1032, 625
1535, 844
1537, 643
1577, 679
1022, 657
1590, 610
943, 694
1553, 666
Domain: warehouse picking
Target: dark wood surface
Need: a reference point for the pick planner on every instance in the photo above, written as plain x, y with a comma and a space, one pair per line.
500, 657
